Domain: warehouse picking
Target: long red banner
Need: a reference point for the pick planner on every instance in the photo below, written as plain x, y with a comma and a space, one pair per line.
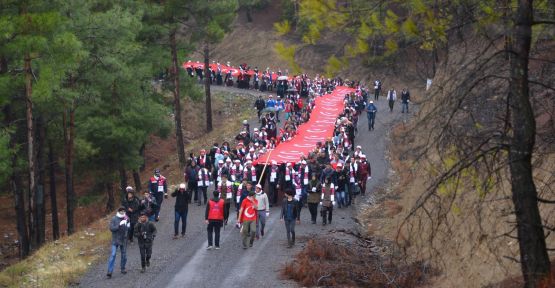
318, 128
234, 70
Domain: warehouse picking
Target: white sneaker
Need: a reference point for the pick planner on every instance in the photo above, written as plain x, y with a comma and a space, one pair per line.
217, 247
209, 248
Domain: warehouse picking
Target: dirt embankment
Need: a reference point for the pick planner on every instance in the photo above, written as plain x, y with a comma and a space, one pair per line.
467, 228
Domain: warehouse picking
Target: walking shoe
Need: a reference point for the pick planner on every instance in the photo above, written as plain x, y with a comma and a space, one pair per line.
209, 248
124, 271
313, 222
182, 235
143, 270
157, 218
109, 275
244, 247
217, 247
174, 236
147, 263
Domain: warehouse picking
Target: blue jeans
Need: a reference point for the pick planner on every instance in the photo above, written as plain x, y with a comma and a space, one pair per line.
183, 217
371, 122
340, 198
112, 259
405, 106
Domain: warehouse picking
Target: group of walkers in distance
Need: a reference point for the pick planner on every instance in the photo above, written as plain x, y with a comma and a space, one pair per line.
332, 175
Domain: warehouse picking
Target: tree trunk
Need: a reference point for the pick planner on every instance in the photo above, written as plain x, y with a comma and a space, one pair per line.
248, 11
535, 264
137, 180
142, 153
207, 87
31, 156
40, 210
111, 203
177, 103
122, 182
52, 163
18, 191
69, 125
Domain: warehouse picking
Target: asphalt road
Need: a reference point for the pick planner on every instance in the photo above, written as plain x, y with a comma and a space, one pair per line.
185, 262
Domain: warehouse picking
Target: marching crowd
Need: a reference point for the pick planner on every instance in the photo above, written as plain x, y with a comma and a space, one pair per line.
332, 175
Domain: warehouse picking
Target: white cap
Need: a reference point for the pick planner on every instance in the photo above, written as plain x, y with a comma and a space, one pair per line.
182, 186
363, 156
248, 162
339, 164
274, 162
221, 162
359, 147
228, 160
245, 122
313, 189
303, 162
251, 150
371, 102
258, 186
288, 163
255, 129
129, 189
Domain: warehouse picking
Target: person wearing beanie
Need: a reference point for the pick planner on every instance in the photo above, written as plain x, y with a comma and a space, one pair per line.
263, 210
131, 204
214, 218
247, 219
182, 196
118, 225
290, 215
145, 231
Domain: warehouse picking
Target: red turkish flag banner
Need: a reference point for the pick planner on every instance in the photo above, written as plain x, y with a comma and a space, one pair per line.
318, 128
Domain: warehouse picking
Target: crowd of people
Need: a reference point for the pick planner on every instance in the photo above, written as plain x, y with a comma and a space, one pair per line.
332, 175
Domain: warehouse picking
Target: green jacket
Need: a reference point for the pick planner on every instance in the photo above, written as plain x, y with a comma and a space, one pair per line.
314, 197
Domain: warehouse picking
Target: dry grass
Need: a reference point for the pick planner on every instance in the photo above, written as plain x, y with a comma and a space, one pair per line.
330, 263
60, 263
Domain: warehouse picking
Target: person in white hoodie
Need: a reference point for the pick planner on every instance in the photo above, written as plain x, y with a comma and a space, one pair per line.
263, 210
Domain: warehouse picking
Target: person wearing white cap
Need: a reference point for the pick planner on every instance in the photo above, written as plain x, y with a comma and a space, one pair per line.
203, 182
218, 172
182, 197
364, 173
358, 151
371, 112
263, 210
249, 173
273, 182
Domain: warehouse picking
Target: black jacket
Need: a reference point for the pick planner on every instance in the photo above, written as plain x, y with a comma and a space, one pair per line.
295, 211
181, 199
145, 232
260, 104
132, 204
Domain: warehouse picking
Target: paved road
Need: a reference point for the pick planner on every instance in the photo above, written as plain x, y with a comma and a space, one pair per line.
186, 263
